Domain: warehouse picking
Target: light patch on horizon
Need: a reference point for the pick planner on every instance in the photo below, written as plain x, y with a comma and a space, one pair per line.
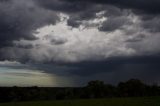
24, 77
17, 74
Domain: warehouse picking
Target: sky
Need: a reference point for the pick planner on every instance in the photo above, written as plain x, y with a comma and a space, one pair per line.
70, 42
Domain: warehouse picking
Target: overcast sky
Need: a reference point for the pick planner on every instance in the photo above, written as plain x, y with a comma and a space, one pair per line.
68, 43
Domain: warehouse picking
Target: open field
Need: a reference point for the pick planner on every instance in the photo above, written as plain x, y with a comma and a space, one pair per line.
147, 101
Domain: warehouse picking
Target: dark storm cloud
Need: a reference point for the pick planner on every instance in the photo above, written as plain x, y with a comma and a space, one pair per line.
87, 9
142, 63
149, 6
78, 10
113, 70
65, 6
138, 64
84, 10
19, 19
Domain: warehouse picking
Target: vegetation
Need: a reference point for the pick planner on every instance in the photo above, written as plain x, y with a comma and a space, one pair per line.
149, 101
94, 89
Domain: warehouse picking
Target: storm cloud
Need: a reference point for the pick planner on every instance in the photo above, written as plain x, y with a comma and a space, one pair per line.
82, 37
19, 19
149, 6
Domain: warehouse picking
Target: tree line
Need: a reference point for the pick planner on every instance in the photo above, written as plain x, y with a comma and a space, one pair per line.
94, 89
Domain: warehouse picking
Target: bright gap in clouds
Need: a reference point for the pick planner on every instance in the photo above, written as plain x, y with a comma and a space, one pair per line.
17, 74
23, 77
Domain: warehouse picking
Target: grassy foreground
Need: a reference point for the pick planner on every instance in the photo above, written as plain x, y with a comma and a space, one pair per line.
148, 101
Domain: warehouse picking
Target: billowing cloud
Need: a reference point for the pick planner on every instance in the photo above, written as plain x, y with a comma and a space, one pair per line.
63, 43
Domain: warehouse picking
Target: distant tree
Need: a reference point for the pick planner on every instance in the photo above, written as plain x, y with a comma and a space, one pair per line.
133, 87
96, 89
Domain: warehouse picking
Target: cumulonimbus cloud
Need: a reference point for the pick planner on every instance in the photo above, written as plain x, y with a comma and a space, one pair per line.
63, 43
82, 37
71, 33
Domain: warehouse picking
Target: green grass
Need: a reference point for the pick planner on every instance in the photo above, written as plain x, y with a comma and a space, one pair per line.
147, 101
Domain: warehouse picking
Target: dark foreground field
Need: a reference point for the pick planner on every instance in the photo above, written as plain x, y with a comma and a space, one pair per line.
147, 101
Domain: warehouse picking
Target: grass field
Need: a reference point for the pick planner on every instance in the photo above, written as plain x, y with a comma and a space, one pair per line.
150, 101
